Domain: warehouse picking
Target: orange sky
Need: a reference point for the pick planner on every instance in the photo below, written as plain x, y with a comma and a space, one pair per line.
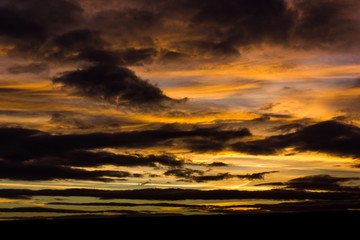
235, 95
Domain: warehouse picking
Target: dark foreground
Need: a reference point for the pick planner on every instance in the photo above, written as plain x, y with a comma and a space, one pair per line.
276, 224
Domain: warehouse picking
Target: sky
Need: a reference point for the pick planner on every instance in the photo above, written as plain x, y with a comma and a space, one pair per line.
178, 107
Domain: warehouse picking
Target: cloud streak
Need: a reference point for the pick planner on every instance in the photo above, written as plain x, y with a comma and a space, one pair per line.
179, 194
35, 155
327, 137
186, 174
27, 143
34, 171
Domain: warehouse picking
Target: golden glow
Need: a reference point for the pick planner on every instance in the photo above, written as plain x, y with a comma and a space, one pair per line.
268, 88
207, 118
217, 91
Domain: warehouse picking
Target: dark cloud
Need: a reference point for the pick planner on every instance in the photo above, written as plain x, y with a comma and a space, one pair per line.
64, 119
217, 177
294, 206
29, 24
230, 24
81, 44
271, 184
268, 116
218, 164
81, 158
40, 210
219, 27
83, 121
328, 137
16, 26
179, 194
206, 139
89, 45
10, 90
58, 31
173, 56
327, 23
22, 144
318, 182
322, 182
33, 170
286, 128
35, 155
113, 84
10, 134
263, 118
319, 206
309, 206
186, 174
132, 56
35, 27
131, 22
127, 204
246, 22
331, 193
106, 79
355, 83
205, 145
69, 120
68, 211
222, 26
204, 49
29, 68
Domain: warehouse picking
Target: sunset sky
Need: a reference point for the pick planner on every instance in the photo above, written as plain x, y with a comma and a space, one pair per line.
178, 107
